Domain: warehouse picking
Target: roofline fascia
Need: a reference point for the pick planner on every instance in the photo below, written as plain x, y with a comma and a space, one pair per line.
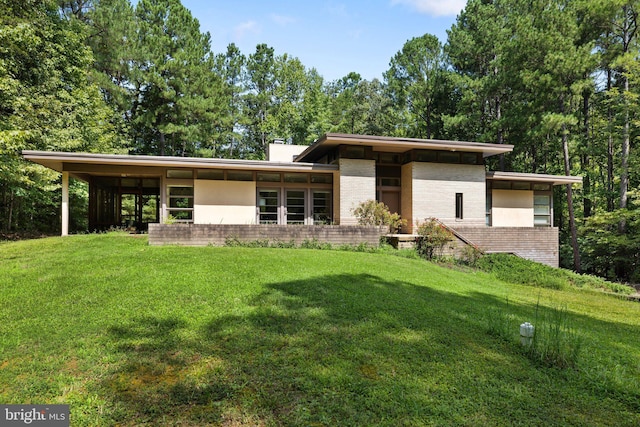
533, 177
169, 161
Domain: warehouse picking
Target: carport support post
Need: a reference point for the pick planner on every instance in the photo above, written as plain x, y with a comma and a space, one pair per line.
65, 203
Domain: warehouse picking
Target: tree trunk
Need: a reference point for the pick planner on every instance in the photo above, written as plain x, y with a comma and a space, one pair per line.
162, 144
9, 218
610, 150
624, 160
586, 184
572, 221
500, 135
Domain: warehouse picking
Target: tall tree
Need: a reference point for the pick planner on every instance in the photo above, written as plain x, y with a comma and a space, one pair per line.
476, 48
47, 102
177, 94
259, 100
417, 81
230, 66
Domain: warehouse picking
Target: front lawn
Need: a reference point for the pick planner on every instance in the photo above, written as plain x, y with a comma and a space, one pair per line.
129, 334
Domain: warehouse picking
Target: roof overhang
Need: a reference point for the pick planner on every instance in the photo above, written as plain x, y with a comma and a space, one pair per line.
397, 145
534, 177
83, 164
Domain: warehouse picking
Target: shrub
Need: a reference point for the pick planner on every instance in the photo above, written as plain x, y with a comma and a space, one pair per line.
470, 255
432, 237
375, 213
513, 269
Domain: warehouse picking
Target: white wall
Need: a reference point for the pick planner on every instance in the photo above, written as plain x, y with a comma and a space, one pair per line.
284, 152
434, 188
224, 202
512, 208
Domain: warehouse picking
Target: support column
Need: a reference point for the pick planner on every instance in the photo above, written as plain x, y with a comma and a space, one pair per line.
65, 203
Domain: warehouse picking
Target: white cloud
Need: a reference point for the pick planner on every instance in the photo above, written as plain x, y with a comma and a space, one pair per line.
434, 7
282, 20
245, 28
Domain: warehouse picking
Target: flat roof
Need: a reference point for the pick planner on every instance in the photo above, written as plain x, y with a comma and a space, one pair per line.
534, 177
62, 161
397, 145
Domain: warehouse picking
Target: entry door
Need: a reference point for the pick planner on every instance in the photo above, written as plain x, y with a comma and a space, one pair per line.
268, 206
295, 212
391, 199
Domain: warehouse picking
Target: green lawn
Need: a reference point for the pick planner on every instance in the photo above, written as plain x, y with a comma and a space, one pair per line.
129, 334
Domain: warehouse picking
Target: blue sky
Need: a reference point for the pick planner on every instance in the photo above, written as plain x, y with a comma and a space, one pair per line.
335, 37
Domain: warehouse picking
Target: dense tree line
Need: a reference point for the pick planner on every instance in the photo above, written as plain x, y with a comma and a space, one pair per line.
558, 79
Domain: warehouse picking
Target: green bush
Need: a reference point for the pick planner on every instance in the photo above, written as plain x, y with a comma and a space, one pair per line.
432, 237
375, 213
514, 269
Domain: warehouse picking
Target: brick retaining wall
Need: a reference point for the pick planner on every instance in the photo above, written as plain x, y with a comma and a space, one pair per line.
216, 234
537, 244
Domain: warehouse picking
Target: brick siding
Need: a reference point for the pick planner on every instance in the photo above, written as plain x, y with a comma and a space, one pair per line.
216, 234
536, 244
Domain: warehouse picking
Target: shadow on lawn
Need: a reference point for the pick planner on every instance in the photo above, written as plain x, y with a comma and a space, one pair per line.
332, 350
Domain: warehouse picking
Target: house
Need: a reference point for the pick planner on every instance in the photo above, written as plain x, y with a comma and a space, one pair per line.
316, 188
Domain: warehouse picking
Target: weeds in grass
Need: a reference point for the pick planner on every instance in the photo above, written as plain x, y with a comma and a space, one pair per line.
315, 244
500, 323
555, 342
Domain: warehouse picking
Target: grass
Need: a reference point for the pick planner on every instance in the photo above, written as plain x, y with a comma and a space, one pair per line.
129, 334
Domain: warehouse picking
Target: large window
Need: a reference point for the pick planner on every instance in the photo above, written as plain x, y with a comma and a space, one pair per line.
180, 203
294, 206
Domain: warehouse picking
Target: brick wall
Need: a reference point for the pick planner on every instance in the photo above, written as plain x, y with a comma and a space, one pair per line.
357, 184
537, 244
216, 234
434, 193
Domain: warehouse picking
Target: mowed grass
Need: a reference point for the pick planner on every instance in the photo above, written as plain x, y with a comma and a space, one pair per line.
129, 334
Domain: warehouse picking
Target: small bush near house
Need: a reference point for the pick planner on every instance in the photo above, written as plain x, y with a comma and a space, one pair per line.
433, 236
371, 212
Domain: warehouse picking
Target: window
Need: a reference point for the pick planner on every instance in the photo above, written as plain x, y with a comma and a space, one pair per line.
542, 210
321, 207
268, 177
268, 206
180, 205
239, 175
295, 206
458, 205
217, 174
179, 173
488, 206
542, 187
324, 178
296, 177
471, 159
521, 186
